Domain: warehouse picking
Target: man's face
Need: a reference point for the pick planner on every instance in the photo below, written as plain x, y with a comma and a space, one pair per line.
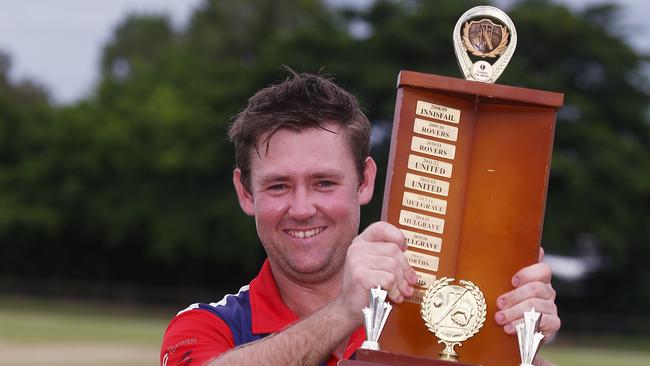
305, 195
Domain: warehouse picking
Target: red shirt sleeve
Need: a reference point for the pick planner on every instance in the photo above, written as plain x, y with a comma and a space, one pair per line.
193, 338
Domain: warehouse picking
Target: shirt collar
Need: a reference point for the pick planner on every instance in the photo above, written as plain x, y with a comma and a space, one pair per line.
270, 314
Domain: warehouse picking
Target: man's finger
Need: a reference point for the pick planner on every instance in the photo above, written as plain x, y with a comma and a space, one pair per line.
537, 272
515, 313
529, 290
383, 232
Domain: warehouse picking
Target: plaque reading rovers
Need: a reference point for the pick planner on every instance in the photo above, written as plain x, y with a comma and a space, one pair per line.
431, 147
425, 203
423, 261
435, 129
422, 241
431, 166
436, 111
426, 184
419, 221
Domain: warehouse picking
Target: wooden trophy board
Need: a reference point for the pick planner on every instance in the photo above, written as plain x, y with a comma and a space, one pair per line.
466, 182
365, 357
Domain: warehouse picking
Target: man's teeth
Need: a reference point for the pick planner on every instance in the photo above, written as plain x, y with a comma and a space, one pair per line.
305, 233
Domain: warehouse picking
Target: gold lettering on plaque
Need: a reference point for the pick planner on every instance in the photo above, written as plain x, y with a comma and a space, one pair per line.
426, 165
426, 184
417, 297
423, 222
425, 280
421, 241
425, 203
437, 111
435, 129
431, 147
422, 261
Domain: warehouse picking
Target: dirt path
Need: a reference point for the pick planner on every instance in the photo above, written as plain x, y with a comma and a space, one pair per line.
76, 353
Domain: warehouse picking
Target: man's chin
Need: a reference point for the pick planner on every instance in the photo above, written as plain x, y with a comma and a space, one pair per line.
314, 272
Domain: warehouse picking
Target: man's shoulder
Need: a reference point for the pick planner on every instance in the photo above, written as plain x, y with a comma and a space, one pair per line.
228, 307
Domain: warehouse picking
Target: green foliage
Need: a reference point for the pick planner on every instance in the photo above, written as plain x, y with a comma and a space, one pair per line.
133, 183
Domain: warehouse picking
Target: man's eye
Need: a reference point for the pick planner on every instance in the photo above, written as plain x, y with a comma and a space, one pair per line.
325, 184
277, 187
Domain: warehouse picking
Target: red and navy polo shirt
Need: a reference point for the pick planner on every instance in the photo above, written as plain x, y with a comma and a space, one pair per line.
201, 332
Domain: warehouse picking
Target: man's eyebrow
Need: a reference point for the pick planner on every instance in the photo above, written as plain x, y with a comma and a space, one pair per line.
330, 173
321, 174
273, 178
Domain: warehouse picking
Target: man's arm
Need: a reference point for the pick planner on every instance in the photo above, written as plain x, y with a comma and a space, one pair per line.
374, 258
308, 342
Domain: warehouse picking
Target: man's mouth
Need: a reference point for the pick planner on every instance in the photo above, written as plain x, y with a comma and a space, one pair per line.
301, 234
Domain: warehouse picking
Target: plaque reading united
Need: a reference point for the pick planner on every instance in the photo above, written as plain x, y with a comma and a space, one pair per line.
431, 166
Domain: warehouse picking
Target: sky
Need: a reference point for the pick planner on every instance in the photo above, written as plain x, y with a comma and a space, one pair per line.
58, 43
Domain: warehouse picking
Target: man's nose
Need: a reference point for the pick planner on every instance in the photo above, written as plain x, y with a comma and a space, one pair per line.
302, 205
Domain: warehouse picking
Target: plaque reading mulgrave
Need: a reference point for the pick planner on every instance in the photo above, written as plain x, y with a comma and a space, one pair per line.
422, 241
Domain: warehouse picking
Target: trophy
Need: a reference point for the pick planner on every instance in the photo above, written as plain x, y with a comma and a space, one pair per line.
374, 317
528, 336
466, 183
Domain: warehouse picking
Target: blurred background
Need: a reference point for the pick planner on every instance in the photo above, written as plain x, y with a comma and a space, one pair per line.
116, 207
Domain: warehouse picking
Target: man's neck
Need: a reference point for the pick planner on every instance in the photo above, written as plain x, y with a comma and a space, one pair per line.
307, 298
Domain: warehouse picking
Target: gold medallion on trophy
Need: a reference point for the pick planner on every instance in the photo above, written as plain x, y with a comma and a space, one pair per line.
453, 313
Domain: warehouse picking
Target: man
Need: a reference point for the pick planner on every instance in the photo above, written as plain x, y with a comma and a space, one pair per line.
303, 171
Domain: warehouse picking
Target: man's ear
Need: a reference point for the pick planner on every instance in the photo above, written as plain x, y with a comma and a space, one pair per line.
245, 198
367, 187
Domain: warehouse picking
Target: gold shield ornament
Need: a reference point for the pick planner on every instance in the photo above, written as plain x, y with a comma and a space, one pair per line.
453, 313
484, 33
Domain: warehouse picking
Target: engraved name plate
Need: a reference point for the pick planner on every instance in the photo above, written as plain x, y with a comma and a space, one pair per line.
431, 147
425, 280
435, 129
422, 241
424, 203
423, 261
426, 184
424, 222
417, 297
431, 166
436, 111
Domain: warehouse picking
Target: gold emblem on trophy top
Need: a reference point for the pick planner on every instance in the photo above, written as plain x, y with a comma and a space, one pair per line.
484, 32
484, 38
453, 313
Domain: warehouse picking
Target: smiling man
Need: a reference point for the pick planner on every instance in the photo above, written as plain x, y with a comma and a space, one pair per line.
303, 171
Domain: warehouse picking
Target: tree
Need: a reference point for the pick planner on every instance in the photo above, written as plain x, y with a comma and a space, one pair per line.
133, 183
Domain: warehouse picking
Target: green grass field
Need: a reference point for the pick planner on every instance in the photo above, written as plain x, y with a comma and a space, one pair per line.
34, 333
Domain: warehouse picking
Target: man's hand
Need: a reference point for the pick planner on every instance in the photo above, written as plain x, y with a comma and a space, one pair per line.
532, 289
375, 258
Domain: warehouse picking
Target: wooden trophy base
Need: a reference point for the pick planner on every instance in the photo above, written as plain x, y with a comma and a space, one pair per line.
366, 357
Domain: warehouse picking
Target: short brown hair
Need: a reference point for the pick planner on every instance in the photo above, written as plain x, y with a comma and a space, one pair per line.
301, 102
